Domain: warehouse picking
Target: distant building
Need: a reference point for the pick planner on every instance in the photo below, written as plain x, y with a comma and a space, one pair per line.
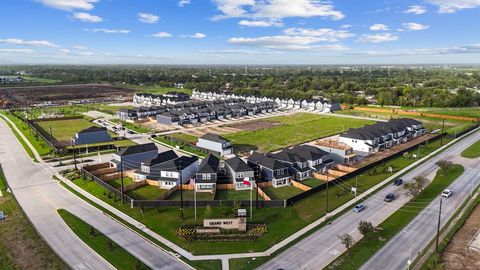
91, 135
11, 79
133, 156
215, 143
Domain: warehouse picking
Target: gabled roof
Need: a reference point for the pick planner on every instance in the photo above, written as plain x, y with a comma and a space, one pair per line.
136, 149
214, 138
92, 129
209, 164
161, 157
379, 129
266, 161
238, 165
175, 165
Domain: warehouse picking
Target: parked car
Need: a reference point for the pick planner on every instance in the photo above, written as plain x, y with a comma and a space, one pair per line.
447, 193
153, 136
398, 182
131, 132
390, 197
358, 208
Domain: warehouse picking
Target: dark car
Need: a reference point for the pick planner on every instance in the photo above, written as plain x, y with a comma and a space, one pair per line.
153, 136
131, 132
398, 182
390, 197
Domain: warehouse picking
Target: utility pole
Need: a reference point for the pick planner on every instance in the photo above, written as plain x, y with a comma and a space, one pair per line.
75, 156
326, 199
441, 138
121, 179
181, 184
257, 169
51, 139
438, 224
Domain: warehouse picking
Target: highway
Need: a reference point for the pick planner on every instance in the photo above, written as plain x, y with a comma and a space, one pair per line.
323, 246
40, 197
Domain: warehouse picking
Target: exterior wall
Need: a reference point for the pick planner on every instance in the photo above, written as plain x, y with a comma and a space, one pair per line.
357, 145
214, 146
338, 155
166, 120
92, 137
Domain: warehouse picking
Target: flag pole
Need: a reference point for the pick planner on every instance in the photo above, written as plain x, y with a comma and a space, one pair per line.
251, 202
195, 196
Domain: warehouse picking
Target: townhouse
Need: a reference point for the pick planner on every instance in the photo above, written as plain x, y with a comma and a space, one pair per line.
207, 174
382, 135
271, 170
216, 144
131, 157
239, 173
173, 172
146, 166
90, 135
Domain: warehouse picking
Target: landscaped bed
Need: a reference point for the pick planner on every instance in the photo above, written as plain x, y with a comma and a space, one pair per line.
281, 193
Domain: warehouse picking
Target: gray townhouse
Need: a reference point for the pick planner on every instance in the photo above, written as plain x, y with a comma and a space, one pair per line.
238, 171
215, 143
91, 135
173, 172
271, 170
133, 156
126, 114
207, 174
146, 166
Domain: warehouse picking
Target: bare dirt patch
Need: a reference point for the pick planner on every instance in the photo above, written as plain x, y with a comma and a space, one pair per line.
254, 125
457, 255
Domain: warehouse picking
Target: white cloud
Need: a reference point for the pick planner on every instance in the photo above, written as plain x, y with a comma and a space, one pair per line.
16, 50
162, 34
86, 17
415, 26
322, 34
196, 35
452, 6
466, 49
276, 9
183, 3
377, 38
417, 10
148, 17
70, 4
241, 52
285, 42
35, 43
346, 26
108, 31
80, 47
259, 23
65, 51
379, 27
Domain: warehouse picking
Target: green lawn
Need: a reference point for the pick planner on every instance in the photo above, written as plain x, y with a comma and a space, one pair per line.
230, 194
158, 90
100, 243
146, 192
41, 146
187, 138
473, 151
188, 196
117, 183
281, 193
133, 126
64, 130
294, 129
367, 247
312, 182
20, 246
28, 79
465, 112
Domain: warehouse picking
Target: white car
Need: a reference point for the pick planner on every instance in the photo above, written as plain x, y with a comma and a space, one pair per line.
447, 193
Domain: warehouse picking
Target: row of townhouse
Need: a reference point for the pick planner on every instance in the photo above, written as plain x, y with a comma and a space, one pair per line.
310, 105
193, 112
382, 135
167, 98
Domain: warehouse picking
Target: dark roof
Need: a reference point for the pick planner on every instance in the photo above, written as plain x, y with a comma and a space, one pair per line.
209, 164
92, 129
161, 157
177, 164
266, 161
136, 149
238, 165
214, 138
379, 129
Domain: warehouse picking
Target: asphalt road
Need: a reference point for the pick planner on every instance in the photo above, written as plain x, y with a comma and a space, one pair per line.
323, 246
40, 197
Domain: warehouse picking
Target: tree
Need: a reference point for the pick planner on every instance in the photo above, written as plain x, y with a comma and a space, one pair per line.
445, 165
346, 240
365, 227
414, 188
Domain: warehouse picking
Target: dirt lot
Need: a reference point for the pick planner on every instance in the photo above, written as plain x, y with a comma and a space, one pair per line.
457, 255
254, 125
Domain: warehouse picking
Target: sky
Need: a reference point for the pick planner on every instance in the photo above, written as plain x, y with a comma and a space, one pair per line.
239, 32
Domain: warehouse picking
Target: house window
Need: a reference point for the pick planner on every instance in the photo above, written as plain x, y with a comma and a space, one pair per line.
240, 175
206, 176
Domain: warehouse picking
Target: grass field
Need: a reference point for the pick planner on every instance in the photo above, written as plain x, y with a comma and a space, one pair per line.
187, 138
188, 195
294, 129
117, 183
63, 130
368, 246
132, 126
28, 79
146, 193
465, 112
100, 243
281, 193
20, 245
312, 182
230, 194
473, 151
158, 90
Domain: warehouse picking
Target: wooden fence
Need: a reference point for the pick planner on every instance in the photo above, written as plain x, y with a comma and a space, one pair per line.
300, 185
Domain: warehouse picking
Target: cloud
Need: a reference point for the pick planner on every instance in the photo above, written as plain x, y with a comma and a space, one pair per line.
16, 50
64, 51
452, 6
162, 34
86, 17
80, 47
183, 3
417, 10
242, 52
148, 17
108, 31
415, 26
322, 34
345, 26
69, 4
466, 49
256, 23
35, 43
377, 38
285, 42
196, 35
379, 27
276, 9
